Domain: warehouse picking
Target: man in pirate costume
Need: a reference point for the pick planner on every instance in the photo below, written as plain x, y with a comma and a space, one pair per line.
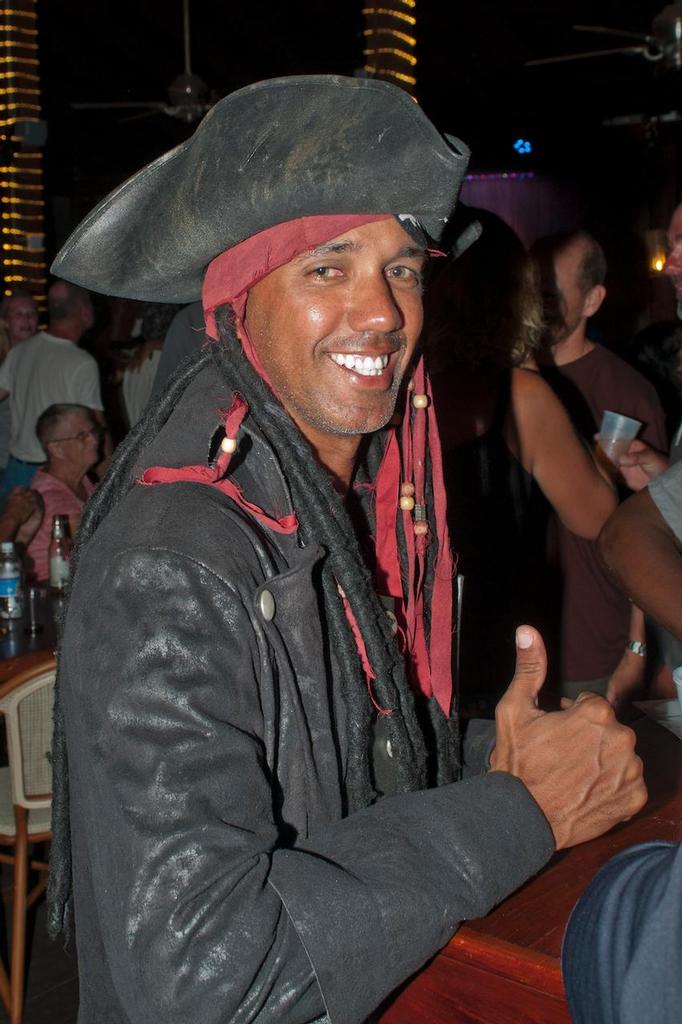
266, 821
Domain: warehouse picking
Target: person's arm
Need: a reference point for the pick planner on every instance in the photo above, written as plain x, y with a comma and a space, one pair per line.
21, 515
550, 450
621, 952
628, 675
644, 556
176, 752
641, 464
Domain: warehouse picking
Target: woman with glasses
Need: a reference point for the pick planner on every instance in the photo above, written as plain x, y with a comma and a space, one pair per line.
70, 437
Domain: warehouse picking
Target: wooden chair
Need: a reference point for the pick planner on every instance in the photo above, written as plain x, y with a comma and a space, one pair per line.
26, 701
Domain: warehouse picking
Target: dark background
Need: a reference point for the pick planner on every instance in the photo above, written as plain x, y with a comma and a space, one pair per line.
472, 82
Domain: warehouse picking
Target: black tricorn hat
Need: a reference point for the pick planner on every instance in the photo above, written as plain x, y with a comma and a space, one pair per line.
269, 153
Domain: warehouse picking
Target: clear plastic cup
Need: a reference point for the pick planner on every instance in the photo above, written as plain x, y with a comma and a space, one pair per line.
616, 433
677, 678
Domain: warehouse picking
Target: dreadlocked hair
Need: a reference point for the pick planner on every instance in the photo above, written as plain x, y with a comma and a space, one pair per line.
425, 743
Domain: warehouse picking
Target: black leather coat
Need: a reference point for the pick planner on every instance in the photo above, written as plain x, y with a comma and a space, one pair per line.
215, 877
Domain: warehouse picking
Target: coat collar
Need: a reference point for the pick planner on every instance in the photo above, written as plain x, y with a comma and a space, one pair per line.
192, 435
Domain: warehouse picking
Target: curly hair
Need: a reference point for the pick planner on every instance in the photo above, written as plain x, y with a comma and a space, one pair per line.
484, 309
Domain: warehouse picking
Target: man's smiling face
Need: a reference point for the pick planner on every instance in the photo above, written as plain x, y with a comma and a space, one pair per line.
335, 329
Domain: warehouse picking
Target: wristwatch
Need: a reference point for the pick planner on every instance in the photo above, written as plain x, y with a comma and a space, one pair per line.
637, 647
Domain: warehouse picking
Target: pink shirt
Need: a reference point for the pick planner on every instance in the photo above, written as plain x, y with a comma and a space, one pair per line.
59, 500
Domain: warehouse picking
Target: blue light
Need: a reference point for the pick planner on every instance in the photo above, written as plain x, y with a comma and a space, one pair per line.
523, 147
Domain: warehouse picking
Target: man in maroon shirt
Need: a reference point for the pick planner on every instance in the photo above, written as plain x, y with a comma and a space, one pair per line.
596, 617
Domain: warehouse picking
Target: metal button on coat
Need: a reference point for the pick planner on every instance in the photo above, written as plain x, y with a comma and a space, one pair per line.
266, 603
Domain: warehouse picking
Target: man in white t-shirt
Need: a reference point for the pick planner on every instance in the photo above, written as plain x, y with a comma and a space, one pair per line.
48, 369
19, 317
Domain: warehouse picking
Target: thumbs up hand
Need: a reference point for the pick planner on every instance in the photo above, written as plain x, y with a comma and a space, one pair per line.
579, 764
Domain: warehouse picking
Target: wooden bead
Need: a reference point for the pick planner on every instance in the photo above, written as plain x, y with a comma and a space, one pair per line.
420, 401
407, 503
421, 528
407, 490
228, 444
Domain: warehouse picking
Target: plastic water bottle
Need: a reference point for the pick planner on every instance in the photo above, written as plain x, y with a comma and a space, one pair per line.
11, 595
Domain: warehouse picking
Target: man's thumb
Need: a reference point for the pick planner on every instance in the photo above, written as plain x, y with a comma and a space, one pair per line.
531, 666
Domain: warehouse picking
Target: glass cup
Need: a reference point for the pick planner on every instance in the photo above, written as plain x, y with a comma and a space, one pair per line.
616, 433
32, 614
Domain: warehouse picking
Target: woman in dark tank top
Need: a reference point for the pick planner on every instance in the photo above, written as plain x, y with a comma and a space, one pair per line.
510, 455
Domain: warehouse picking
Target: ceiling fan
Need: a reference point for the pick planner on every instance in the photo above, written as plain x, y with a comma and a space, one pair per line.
187, 93
662, 45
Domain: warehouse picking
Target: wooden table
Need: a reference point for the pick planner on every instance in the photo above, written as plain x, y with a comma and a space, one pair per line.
505, 968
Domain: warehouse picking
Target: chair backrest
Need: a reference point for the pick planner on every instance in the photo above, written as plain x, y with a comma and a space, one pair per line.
27, 702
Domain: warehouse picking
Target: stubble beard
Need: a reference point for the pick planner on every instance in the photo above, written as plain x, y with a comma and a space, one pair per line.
335, 426
330, 423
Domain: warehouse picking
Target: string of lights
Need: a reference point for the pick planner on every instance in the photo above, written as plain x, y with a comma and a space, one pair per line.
18, 106
22, 238
26, 91
393, 33
389, 51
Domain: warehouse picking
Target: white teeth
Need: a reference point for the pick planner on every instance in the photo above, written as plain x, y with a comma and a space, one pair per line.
367, 366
